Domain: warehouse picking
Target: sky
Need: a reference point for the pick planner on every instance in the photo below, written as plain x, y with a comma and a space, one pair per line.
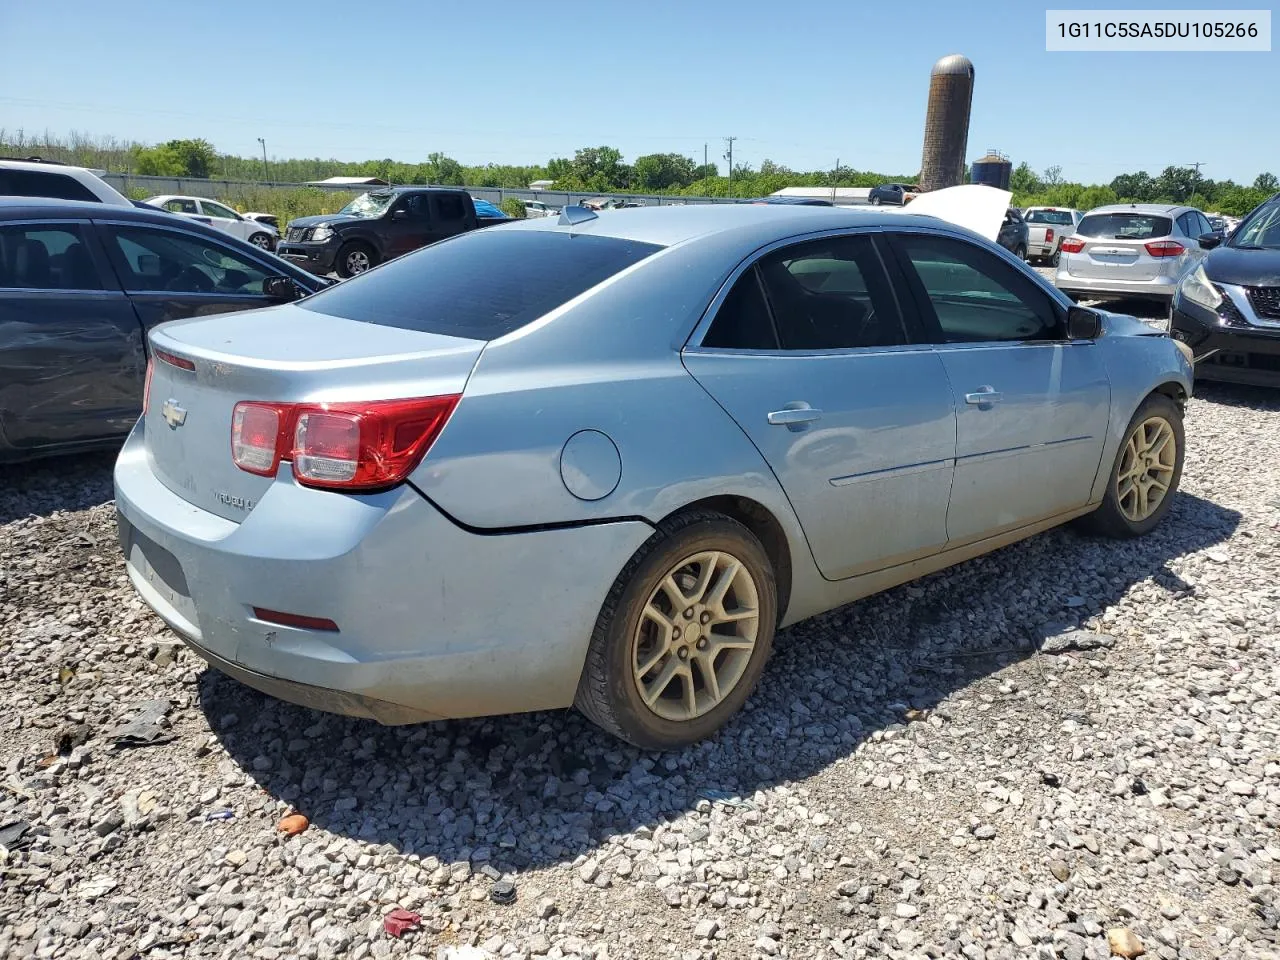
519, 82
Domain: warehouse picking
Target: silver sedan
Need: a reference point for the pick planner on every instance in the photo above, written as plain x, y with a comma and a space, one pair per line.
598, 461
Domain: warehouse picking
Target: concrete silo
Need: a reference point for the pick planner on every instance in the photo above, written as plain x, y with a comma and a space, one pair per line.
946, 123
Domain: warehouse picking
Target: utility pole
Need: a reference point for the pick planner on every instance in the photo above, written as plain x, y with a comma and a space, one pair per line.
704, 159
729, 157
266, 172
834, 178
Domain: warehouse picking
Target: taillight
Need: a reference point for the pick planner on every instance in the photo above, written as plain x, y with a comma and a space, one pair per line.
256, 432
1164, 248
1048, 234
146, 386
173, 359
340, 446
1072, 245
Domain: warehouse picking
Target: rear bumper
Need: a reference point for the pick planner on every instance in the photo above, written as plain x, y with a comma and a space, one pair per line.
1229, 354
434, 621
1100, 288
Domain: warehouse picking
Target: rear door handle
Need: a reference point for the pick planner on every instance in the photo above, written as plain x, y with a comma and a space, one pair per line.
983, 395
794, 415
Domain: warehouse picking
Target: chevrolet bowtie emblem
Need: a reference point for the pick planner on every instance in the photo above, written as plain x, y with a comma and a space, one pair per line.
174, 414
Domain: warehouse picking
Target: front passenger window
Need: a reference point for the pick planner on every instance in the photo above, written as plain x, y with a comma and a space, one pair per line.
165, 260
975, 296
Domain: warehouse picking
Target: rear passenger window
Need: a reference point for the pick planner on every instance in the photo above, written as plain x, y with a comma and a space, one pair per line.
975, 296
743, 322
46, 257
449, 206
34, 183
830, 295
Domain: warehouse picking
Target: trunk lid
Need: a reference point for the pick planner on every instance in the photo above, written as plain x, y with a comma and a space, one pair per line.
1115, 247
283, 354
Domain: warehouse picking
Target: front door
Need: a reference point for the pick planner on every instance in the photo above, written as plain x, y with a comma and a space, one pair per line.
170, 274
1032, 406
71, 352
808, 354
410, 225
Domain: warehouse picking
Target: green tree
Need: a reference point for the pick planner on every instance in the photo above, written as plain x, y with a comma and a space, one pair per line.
656, 172
1267, 183
1177, 183
445, 170
1053, 175
1024, 179
1138, 187
1091, 197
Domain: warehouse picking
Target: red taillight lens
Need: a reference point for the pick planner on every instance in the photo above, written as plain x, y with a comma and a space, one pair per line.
1048, 234
340, 446
1072, 245
146, 386
256, 430
295, 620
1164, 248
365, 446
173, 359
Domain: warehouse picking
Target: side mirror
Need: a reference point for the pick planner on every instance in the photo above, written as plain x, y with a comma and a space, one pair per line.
1208, 241
280, 289
399, 214
1083, 324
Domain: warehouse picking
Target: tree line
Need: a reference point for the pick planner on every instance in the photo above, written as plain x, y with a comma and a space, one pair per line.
603, 170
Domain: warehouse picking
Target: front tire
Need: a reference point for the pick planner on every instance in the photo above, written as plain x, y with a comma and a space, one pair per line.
1020, 252
355, 258
875, 201
1145, 475
261, 240
683, 634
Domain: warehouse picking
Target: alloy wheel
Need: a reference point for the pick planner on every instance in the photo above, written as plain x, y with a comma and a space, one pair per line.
357, 261
261, 240
1146, 469
695, 635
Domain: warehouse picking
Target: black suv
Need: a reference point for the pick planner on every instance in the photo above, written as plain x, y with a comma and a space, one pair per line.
1227, 310
378, 226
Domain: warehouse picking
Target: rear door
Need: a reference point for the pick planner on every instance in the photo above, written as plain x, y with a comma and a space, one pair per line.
808, 353
451, 214
1116, 246
1032, 406
170, 273
71, 349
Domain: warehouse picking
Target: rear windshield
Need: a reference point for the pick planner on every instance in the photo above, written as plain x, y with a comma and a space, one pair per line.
1124, 226
1056, 217
481, 285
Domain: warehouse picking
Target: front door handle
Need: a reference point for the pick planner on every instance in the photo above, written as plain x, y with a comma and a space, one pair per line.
794, 415
984, 395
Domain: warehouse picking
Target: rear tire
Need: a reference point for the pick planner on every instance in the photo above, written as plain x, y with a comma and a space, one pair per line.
875, 201
1020, 252
1145, 475
1054, 260
695, 607
355, 258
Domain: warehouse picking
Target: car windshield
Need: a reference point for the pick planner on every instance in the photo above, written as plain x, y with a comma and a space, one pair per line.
1055, 217
368, 205
1261, 231
480, 285
1124, 226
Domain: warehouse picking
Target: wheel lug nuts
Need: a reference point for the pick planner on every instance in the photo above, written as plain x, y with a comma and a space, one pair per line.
705, 618
688, 614
702, 644
675, 633
684, 653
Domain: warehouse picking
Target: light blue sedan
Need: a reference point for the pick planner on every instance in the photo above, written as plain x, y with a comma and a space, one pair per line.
598, 461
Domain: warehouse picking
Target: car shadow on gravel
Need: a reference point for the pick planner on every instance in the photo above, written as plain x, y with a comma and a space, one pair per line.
38, 487
540, 789
1238, 395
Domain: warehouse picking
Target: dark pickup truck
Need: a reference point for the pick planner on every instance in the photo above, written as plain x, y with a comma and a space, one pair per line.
378, 226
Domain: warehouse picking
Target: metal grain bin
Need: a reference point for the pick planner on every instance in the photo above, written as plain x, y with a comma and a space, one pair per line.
994, 170
946, 123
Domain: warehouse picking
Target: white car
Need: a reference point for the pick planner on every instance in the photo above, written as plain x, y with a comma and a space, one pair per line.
221, 217
536, 208
58, 181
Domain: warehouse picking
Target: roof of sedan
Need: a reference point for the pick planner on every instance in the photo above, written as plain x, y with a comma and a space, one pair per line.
670, 225
16, 208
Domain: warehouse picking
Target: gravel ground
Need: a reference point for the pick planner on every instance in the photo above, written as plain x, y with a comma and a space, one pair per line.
1008, 759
